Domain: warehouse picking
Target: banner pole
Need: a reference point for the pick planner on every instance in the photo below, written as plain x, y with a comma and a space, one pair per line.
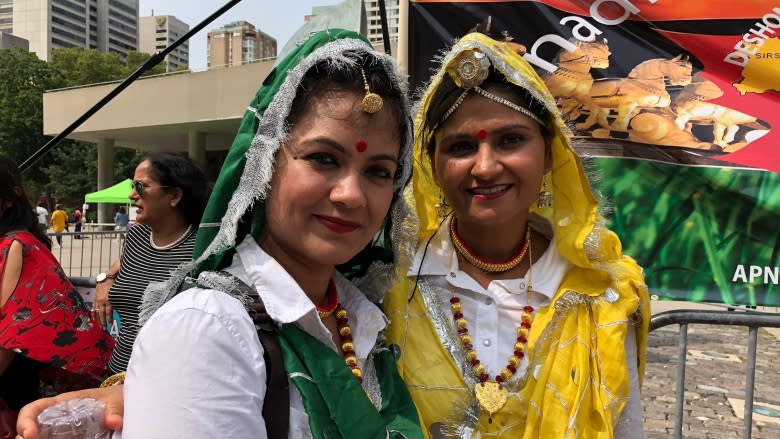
402, 51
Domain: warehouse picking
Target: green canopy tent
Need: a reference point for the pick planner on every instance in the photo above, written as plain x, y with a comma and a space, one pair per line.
116, 194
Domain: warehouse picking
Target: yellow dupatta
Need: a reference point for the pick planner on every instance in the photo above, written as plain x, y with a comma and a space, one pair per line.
577, 382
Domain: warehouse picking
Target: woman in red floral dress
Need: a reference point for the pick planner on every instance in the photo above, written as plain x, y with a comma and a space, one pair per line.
46, 330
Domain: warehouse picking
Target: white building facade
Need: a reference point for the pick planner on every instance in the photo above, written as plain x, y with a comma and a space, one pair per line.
110, 26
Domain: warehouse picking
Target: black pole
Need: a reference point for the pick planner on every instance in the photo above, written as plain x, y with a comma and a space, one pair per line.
385, 28
151, 62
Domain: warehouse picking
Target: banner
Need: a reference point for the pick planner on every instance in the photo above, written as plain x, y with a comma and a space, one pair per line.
678, 103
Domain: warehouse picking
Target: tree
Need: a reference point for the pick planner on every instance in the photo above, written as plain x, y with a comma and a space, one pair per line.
73, 170
81, 66
136, 59
23, 79
69, 170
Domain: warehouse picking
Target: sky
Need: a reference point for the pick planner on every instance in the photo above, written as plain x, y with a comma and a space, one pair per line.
278, 18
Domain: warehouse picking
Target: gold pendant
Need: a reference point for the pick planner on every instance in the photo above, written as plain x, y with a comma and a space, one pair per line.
490, 396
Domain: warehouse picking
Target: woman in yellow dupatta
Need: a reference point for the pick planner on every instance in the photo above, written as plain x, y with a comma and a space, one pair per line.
517, 315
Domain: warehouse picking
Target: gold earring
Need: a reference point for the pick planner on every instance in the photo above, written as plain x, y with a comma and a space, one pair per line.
442, 208
545, 197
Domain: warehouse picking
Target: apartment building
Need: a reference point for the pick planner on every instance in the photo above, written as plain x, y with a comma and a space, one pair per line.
374, 21
157, 32
105, 25
238, 43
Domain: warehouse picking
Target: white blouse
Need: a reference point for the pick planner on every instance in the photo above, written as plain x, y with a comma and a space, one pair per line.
197, 368
493, 312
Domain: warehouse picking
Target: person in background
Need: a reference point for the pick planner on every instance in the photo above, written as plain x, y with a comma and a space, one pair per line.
43, 216
59, 223
78, 222
517, 315
170, 193
121, 219
45, 327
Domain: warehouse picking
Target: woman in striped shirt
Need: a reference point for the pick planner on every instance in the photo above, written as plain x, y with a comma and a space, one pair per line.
170, 193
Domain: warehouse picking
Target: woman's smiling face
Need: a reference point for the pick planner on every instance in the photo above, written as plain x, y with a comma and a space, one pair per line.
489, 160
333, 181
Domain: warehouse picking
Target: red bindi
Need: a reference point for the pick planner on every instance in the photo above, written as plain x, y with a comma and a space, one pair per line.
361, 145
482, 134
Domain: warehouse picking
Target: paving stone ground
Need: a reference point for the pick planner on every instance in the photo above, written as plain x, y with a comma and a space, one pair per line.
715, 373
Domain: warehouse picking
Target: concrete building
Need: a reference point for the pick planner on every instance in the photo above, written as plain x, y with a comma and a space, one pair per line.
238, 43
156, 32
374, 21
105, 25
8, 41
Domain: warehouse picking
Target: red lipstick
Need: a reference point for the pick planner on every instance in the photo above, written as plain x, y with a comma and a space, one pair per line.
337, 225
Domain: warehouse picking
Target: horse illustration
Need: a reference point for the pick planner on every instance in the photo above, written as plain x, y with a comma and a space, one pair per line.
571, 81
690, 105
645, 87
657, 127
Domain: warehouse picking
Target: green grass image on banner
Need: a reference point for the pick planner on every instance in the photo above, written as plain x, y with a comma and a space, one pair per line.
691, 228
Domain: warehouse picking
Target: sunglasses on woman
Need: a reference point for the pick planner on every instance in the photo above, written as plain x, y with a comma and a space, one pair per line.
140, 187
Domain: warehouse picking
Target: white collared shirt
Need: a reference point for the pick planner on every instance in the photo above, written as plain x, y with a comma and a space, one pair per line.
197, 368
493, 313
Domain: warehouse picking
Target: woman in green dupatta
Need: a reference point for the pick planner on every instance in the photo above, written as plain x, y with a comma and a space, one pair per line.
321, 153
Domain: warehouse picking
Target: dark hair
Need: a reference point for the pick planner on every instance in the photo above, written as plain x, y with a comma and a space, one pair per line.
448, 92
178, 171
327, 75
20, 215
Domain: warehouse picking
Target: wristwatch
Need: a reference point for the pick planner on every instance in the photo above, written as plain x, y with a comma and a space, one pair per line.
102, 277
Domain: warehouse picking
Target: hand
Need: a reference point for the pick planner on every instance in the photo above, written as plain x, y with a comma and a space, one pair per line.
101, 307
112, 397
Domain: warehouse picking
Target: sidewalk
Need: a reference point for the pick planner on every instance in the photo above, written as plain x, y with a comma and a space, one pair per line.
714, 382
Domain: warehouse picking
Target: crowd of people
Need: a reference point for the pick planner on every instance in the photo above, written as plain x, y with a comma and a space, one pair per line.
356, 274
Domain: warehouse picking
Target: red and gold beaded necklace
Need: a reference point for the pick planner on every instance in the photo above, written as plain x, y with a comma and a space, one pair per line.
345, 332
482, 264
346, 343
490, 393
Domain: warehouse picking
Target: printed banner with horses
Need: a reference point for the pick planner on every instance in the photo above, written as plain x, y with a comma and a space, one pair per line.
678, 104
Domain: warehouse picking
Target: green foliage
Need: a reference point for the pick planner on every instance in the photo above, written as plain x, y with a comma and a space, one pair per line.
82, 66
136, 59
181, 69
23, 79
690, 227
69, 170
73, 172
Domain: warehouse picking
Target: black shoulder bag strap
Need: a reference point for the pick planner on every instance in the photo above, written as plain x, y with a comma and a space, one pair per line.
276, 405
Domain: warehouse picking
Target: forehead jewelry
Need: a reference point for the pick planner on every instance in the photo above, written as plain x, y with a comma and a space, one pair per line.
495, 98
371, 102
361, 146
469, 69
482, 134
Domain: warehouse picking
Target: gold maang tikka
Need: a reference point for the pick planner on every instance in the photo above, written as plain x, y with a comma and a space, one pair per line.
371, 102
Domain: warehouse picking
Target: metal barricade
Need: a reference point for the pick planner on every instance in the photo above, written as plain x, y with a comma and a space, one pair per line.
86, 254
683, 318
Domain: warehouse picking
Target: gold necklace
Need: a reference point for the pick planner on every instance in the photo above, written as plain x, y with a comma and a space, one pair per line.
482, 264
333, 301
490, 394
